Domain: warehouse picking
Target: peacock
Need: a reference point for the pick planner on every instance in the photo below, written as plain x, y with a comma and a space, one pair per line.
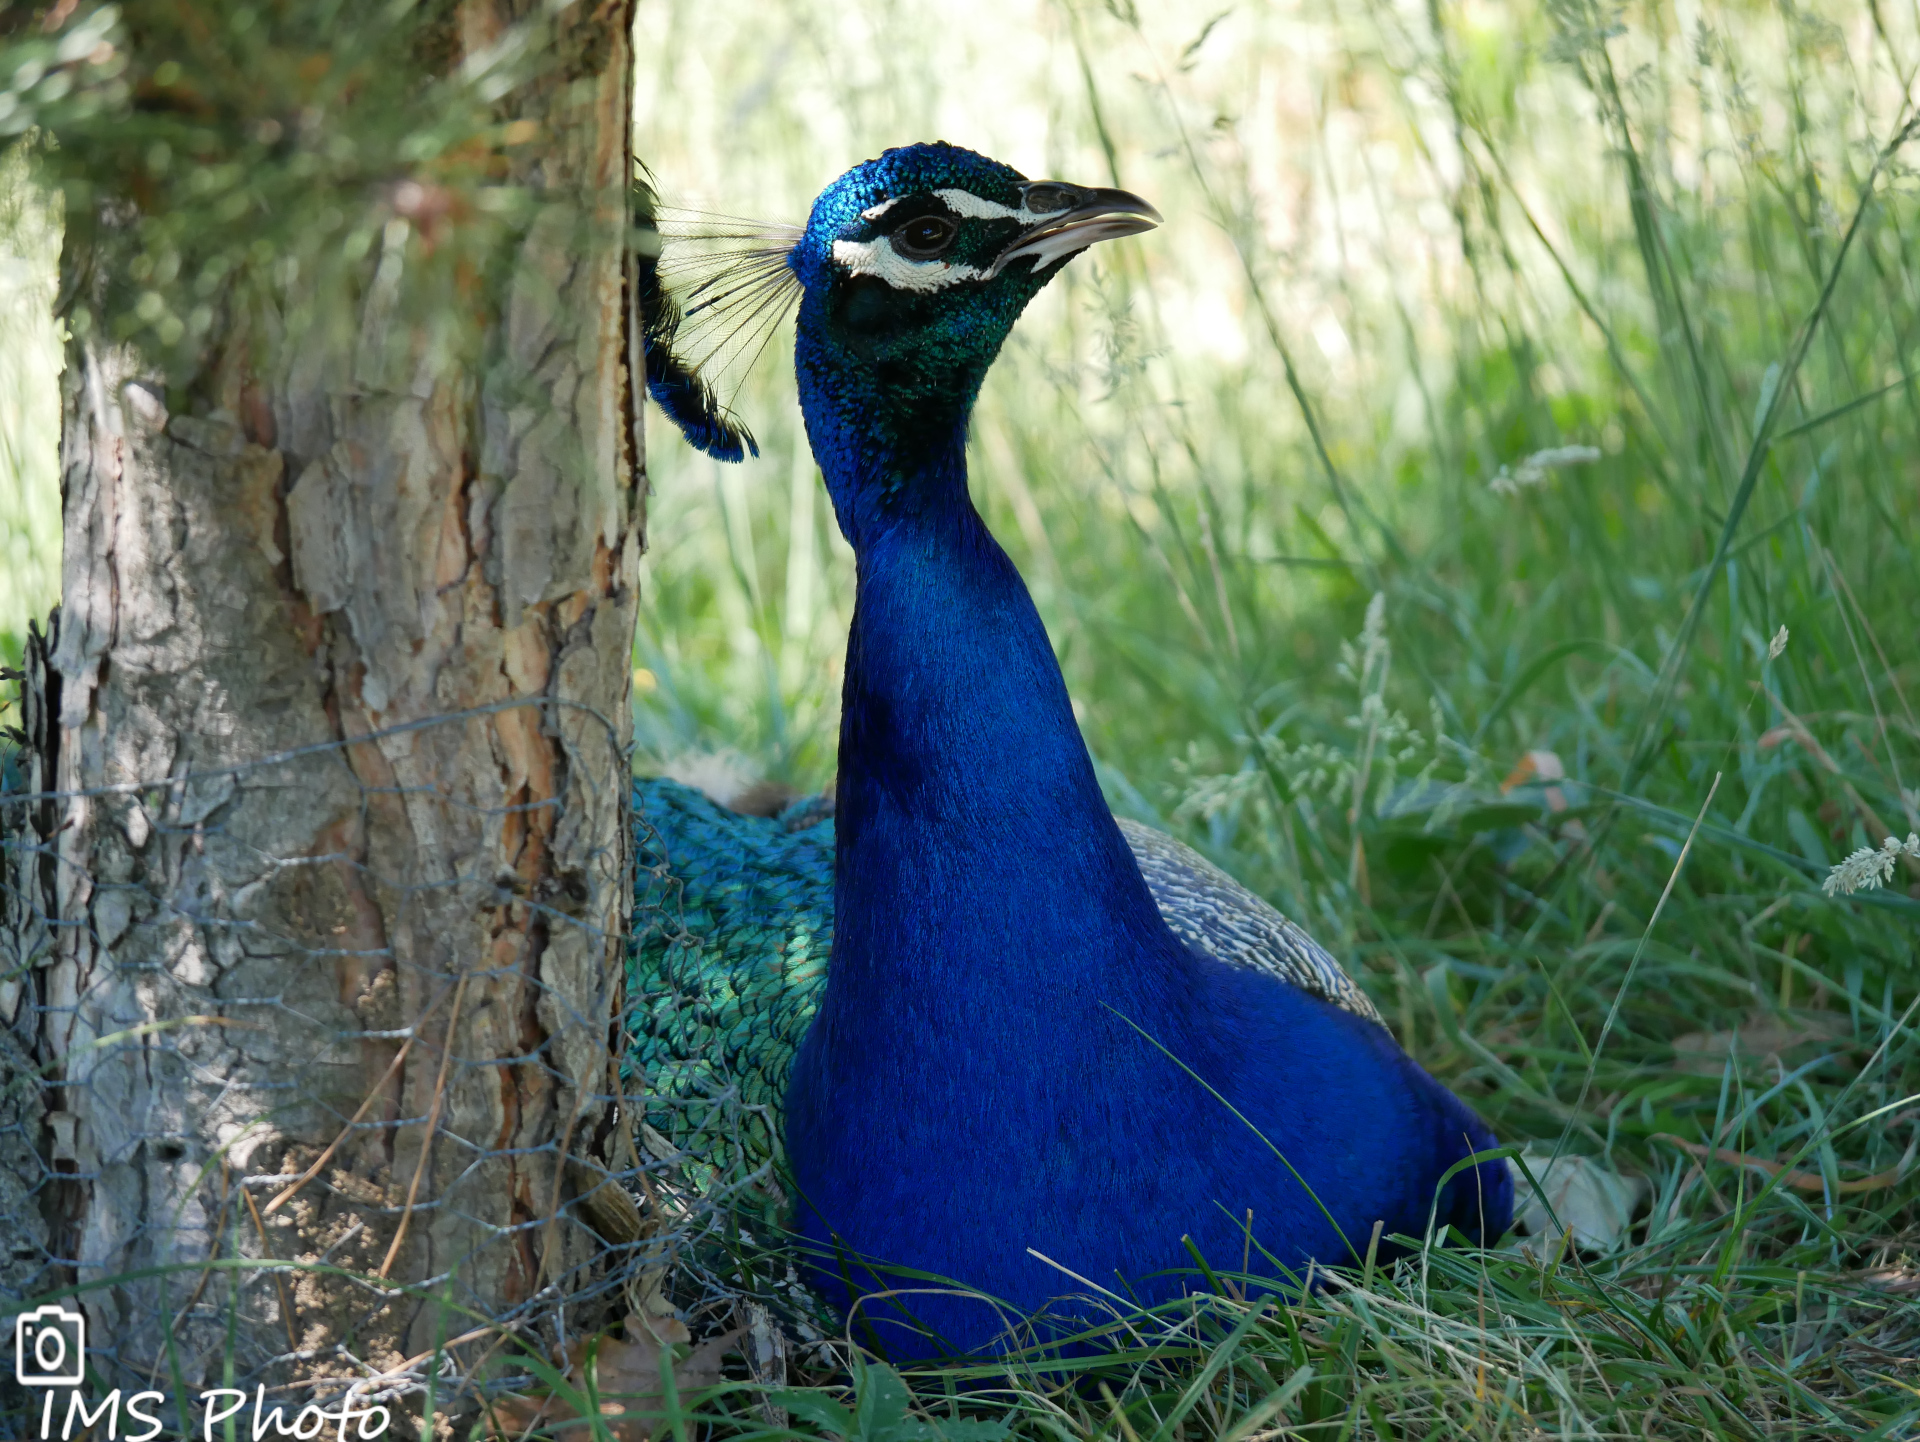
999, 1037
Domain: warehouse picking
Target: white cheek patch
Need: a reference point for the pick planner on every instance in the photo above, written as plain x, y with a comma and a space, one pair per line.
878, 258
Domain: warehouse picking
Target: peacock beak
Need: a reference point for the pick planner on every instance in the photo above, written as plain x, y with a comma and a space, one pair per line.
1069, 218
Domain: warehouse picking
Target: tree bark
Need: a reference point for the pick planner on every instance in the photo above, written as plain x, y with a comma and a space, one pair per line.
338, 704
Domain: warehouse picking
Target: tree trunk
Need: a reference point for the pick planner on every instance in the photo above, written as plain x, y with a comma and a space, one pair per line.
338, 713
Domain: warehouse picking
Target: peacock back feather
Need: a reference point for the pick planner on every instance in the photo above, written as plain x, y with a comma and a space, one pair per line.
732, 925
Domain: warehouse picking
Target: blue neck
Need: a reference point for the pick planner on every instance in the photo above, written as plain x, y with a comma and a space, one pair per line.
886, 401
973, 843
974, 1082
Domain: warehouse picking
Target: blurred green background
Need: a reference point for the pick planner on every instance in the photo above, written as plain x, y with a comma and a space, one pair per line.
1532, 319
29, 411
1583, 338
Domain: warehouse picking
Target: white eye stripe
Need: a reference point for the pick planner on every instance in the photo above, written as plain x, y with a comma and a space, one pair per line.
878, 258
966, 203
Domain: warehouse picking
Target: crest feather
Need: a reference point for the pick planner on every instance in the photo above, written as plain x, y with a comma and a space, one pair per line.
713, 290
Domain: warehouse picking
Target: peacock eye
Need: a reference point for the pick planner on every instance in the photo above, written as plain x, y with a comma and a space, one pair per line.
924, 238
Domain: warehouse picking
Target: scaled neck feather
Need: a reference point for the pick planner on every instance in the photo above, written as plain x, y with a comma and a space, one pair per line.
972, 835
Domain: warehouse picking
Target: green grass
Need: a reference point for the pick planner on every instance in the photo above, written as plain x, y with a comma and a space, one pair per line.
29, 417
1407, 248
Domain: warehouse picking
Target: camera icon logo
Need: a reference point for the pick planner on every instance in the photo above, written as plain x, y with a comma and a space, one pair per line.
50, 1348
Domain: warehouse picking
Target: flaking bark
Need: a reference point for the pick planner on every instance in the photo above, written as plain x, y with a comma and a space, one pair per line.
340, 685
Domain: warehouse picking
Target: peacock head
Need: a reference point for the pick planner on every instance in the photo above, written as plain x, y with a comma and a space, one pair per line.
909, 274
913, 268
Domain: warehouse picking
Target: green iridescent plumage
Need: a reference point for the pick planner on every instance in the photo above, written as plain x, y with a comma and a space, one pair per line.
733, 920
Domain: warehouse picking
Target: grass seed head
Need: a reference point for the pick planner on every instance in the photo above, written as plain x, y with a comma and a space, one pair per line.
1867, 869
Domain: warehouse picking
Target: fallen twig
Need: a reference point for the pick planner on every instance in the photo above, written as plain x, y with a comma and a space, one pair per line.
333, 1146
433, 1125
1810, 1182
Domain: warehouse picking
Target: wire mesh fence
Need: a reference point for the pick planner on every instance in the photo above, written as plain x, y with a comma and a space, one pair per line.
290, 1115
